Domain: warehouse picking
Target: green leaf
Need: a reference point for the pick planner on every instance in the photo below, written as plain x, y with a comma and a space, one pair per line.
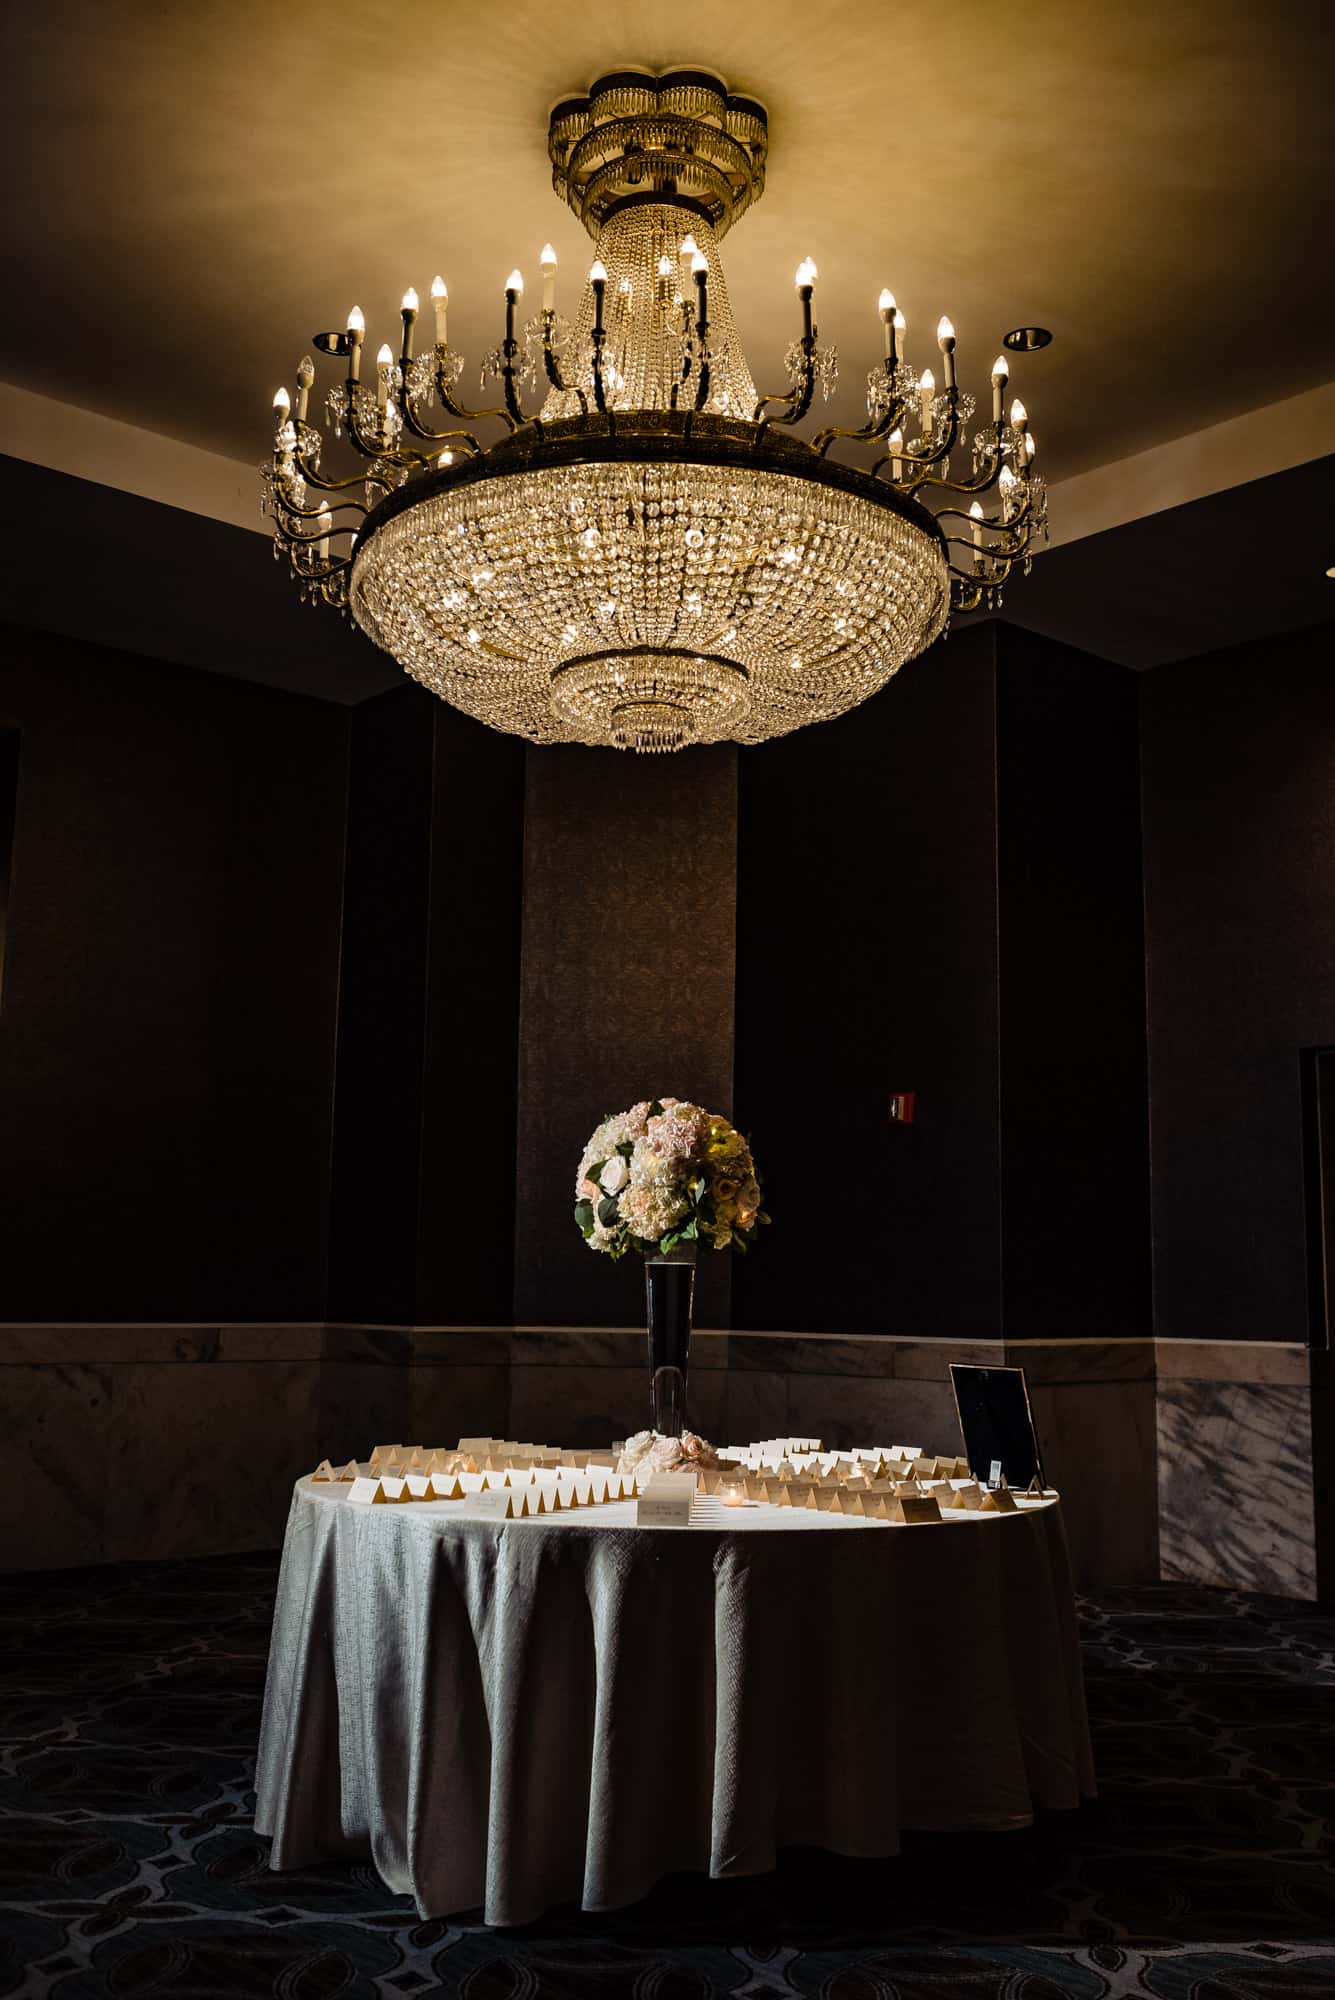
655, 1109
698, 1190
595, 1171
691, 1233
584, 1216
626, 1148
608, 1212
739, 1243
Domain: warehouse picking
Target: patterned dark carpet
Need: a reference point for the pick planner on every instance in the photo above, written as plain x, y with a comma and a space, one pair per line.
128, 1865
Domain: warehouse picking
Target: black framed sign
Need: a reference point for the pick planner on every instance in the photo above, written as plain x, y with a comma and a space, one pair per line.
997, 1423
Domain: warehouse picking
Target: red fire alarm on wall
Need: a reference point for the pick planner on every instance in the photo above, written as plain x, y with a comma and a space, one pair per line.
901, 1107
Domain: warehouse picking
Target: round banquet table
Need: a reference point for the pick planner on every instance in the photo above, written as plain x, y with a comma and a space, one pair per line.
523, 1713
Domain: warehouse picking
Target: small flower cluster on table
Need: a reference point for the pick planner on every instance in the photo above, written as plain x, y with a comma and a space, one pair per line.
667, 1174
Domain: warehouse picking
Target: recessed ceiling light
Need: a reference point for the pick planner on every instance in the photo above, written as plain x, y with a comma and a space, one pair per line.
1027, 339
1331, 570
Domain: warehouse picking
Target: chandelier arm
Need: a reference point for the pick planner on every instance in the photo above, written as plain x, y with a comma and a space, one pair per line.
553, 366
868, 433
509, 349
981, 483
300, 512
799, 396
702, 338
892, 458
966, 592
316, 479
924, 461
456, 408
427, 435
994, 552
295, 541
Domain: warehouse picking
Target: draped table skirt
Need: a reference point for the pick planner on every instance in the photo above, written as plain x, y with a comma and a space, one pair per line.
516, 1714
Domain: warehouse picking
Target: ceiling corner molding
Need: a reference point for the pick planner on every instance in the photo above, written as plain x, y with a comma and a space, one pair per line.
1272, 439
88, 446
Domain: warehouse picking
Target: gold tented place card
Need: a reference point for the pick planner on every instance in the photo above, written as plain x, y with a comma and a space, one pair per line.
366, 1493
917, 1509
324, 1470
1000, 1502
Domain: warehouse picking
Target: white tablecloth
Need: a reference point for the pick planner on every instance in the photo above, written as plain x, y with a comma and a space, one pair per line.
513, 1715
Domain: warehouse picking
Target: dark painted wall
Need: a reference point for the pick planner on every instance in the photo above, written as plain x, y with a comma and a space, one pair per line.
1074, 1102
1238, 776
382, 1011
166, 1037
866, 964
630, 867
424, 1134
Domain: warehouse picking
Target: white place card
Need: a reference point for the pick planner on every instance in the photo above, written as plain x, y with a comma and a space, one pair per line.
665, 1503
366, 1493
492, 1505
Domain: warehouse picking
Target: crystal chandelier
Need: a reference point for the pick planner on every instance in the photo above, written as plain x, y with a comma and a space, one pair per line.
650, 557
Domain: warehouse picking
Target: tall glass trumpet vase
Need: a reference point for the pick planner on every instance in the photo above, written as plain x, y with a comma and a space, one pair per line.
669, 1285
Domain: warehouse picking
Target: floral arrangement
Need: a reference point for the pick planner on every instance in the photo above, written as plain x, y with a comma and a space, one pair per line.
648, 1452
663, 1174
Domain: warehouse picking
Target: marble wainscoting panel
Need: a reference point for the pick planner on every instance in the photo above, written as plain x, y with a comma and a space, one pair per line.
53, 1435
1093, 1405
1099, 1449
755, 1405
201, 1458
573, 1404
447, 1402
1235, 1485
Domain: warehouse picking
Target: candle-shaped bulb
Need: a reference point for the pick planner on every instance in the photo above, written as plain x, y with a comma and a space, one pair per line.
384, 361
282, 403
324, 523
385, 357
1006, 478
805, 274
305, 372
410, 301
976, 511
687, 249
699, 264
547, 258
514, 283
665, 267
1019, 415
547, 264
598, 272
901, 327
927, 384
440, 299
945, 334
976, 516
1030, 447
439, 289
1001, 370
896, 446
356, 320
886, 303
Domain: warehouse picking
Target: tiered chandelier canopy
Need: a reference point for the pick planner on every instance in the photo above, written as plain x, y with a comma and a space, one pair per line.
650, 556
